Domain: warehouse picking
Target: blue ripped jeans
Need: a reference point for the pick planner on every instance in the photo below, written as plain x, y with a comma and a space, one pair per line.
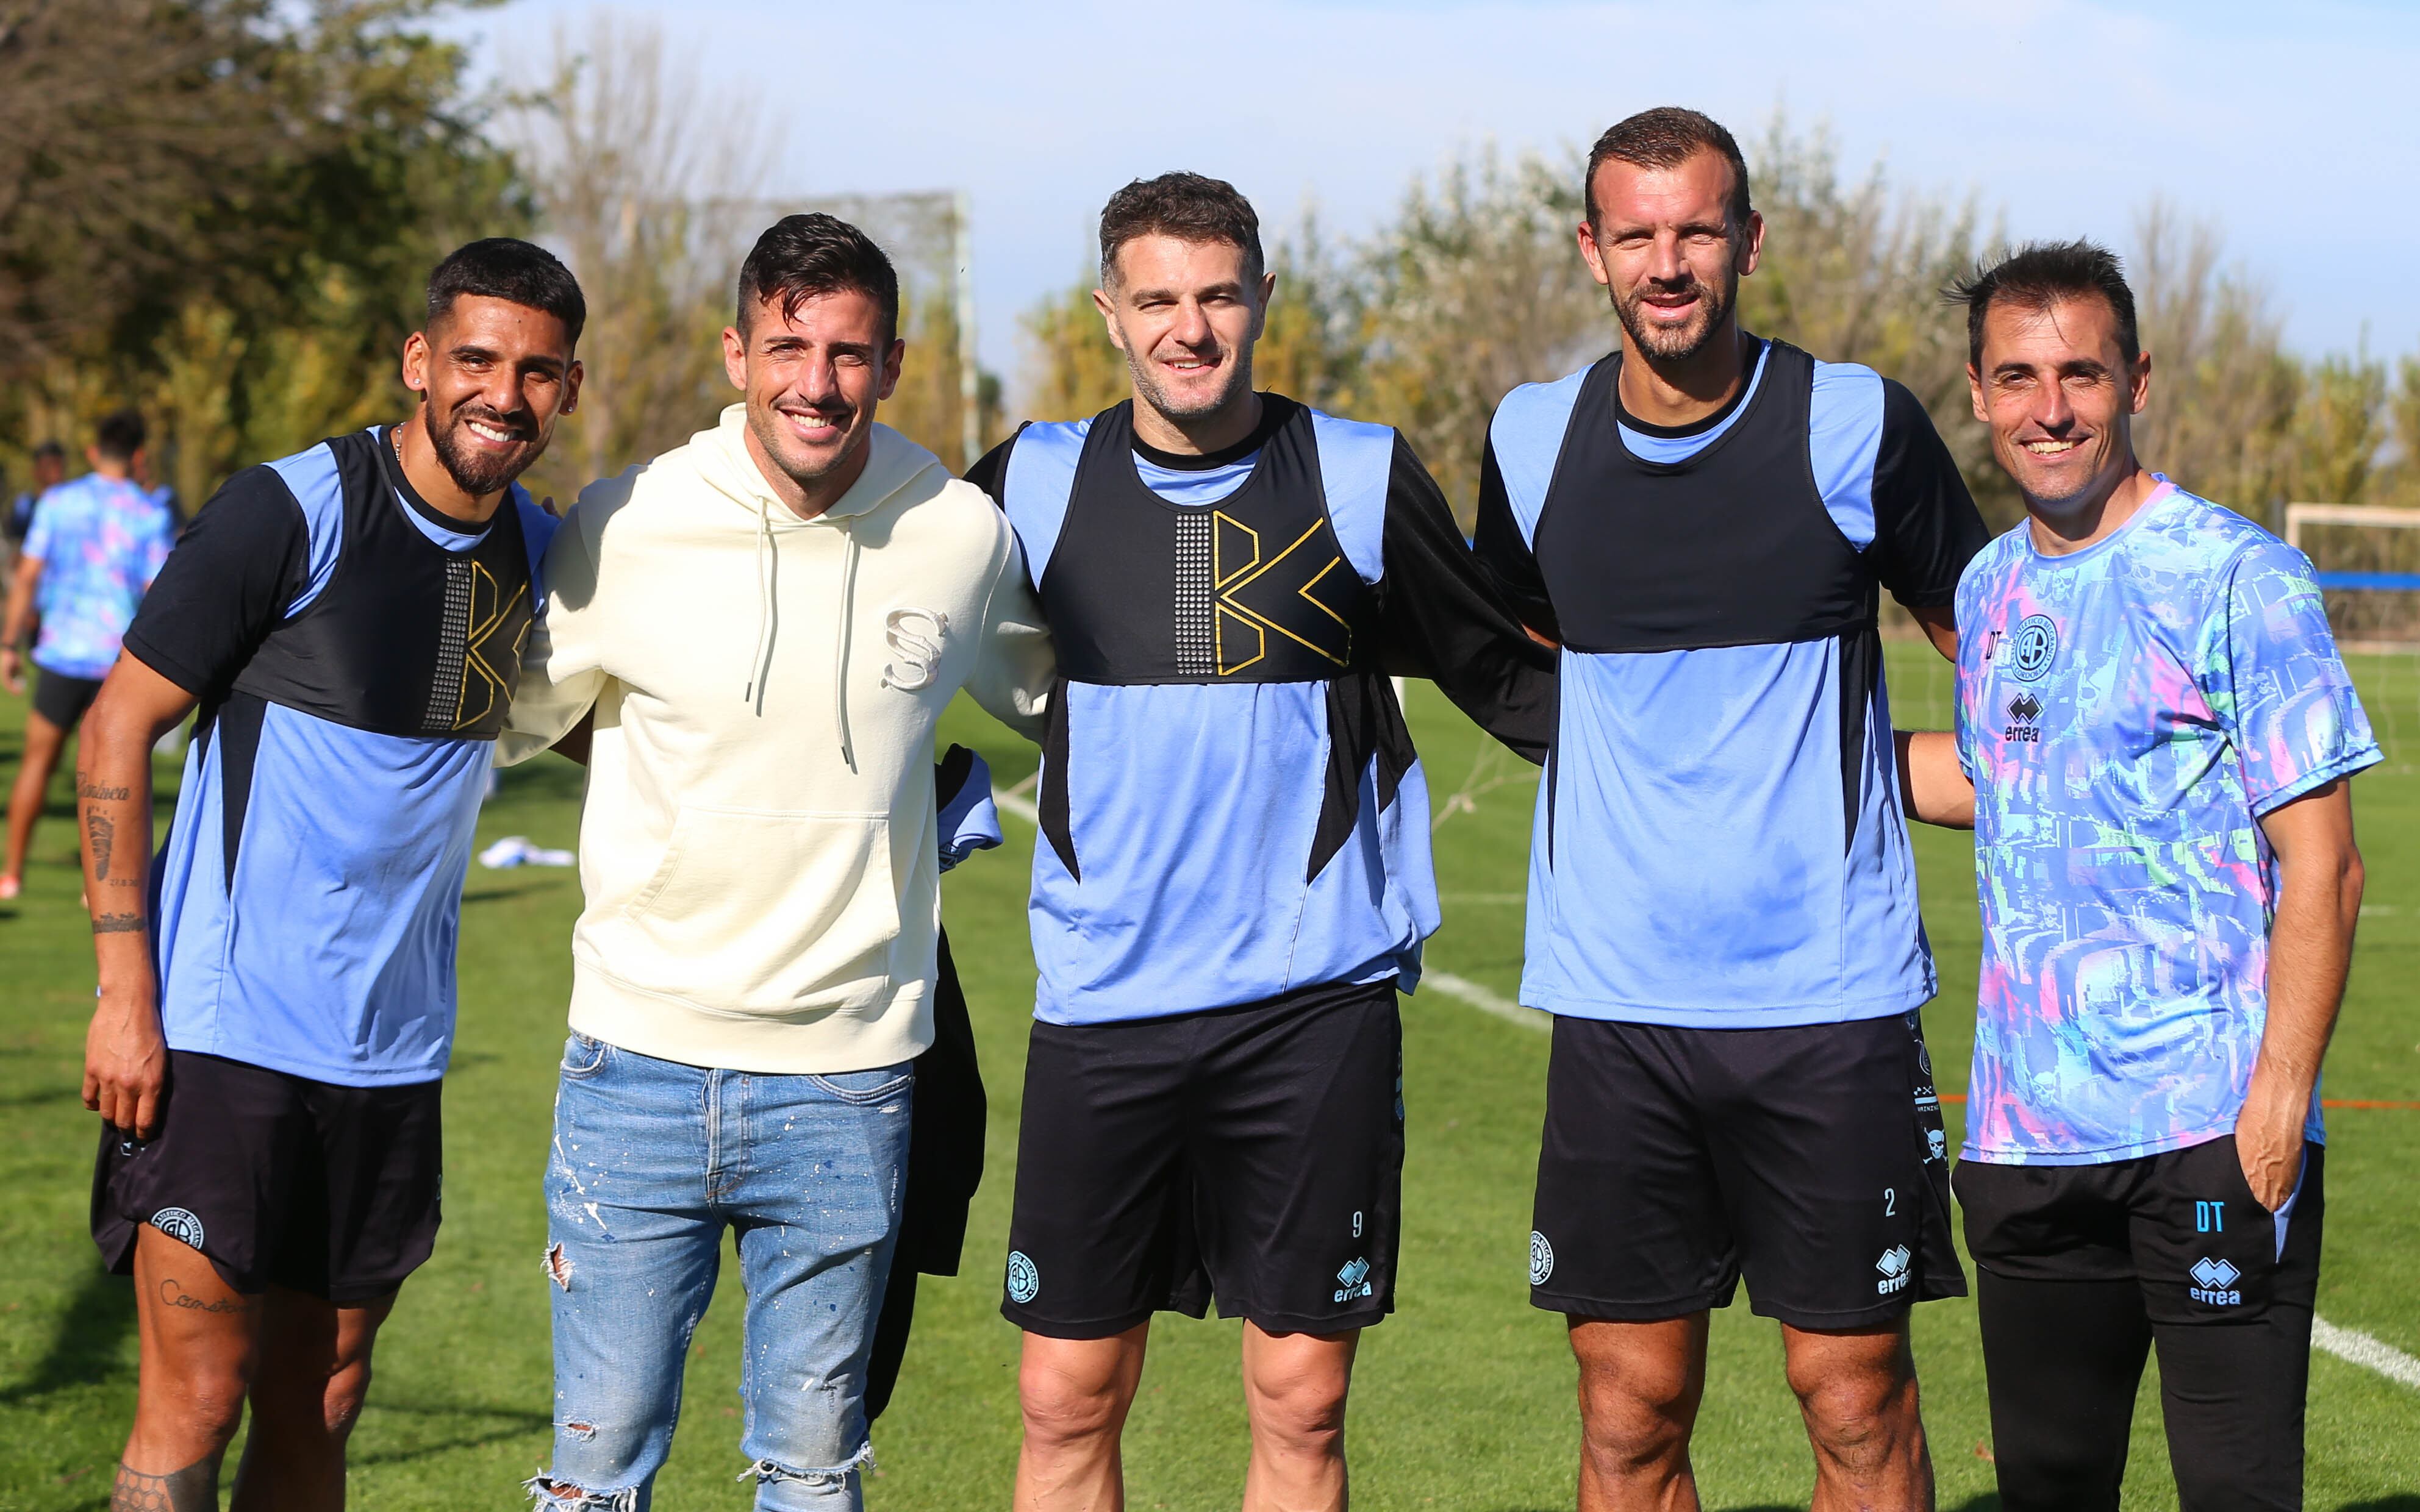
653, 1161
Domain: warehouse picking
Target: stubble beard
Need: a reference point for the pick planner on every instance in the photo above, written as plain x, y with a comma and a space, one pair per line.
1666, 344
775, 440
1148, 387
474, 474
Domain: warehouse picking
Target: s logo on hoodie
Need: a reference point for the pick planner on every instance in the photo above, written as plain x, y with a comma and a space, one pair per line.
907, 630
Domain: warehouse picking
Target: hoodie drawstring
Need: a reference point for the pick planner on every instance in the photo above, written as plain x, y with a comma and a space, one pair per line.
840, 657
757, 667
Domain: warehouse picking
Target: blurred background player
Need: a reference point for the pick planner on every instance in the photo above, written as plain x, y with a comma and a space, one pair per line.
92, 550
2155, 745
50, 470
1233, 880
1722, 903
268, 1049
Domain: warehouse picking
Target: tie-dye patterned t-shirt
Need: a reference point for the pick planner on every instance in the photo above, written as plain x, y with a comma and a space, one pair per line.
2127, 712
101, 541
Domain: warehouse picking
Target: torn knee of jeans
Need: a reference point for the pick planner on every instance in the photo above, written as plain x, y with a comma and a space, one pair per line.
553, 1495
773, 1469
558, 1265
574, 1428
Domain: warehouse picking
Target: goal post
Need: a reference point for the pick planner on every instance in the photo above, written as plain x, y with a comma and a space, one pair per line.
2372, 577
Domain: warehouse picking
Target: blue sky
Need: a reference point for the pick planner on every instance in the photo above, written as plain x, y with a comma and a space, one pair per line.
2290, 125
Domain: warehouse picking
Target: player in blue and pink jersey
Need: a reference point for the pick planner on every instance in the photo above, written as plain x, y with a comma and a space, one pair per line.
2154, 738
90, 552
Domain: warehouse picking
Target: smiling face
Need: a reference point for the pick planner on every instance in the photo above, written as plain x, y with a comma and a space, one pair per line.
1662, 246
2056, 388
813, 380
495, 376
1185, 314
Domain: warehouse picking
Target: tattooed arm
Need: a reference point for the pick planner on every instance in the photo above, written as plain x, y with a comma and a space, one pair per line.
125, 1057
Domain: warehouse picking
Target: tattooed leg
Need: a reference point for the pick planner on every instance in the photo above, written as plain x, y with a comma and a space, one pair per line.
200, 1342
194, 1489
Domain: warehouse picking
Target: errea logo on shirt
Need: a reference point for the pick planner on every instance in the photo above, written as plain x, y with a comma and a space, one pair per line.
2024, 714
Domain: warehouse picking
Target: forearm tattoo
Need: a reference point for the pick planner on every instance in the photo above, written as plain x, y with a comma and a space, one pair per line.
194, 1489
101, 831
119, 924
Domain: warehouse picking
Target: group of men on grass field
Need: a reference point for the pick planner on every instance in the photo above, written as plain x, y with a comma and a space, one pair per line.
1194, 602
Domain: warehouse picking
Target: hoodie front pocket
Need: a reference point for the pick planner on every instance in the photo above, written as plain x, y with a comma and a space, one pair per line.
764, 911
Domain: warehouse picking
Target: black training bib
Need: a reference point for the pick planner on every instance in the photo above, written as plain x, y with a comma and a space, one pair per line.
408, 639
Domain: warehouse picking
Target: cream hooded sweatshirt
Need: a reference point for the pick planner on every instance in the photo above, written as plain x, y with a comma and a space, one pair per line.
758, 844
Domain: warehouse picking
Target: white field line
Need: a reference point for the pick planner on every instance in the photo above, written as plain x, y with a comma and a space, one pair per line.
2346, 1344
1487, 1002
2353, 1345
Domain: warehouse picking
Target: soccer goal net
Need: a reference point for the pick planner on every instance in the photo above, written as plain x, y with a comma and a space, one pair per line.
2368, 558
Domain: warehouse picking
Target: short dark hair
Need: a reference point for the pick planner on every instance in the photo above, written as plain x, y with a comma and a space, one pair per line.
1190, 207
119, 436
2040, 274
52, 449
1667, 138
800, 257
508, 269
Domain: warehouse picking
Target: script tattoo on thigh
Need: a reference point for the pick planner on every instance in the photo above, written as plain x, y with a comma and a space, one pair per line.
194, 1489
173, 1293
102, 831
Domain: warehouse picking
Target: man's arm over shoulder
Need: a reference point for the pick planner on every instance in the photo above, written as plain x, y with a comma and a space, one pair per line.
1926, 525
1444, 619
562, 663
1015, 662
1506, 554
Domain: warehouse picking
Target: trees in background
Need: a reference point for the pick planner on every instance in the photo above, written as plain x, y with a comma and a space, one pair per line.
223, 211
1474, 286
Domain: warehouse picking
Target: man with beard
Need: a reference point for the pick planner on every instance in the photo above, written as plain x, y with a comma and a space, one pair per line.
2156, 741
1233, 879
764, 626
277, 990
1722, 907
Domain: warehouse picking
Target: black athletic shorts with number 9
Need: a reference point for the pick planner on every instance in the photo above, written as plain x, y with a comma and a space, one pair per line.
1810, 1157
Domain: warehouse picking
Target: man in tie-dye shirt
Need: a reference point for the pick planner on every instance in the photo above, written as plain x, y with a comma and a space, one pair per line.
2154, 739
93, 547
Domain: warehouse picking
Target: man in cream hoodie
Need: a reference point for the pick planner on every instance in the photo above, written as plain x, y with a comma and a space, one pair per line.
764, 625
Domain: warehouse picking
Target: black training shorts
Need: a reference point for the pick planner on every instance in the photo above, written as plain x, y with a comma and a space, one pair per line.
1252, 1153
278, 1180
63, 699
1810, 1158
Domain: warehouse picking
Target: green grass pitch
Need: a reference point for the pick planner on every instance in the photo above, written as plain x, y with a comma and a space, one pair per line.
1463, 1397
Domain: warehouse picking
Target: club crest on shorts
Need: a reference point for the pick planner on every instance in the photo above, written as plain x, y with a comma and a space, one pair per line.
1542, 1258
1894, 1266
178, 1225
2215, 1282
1024, 1281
